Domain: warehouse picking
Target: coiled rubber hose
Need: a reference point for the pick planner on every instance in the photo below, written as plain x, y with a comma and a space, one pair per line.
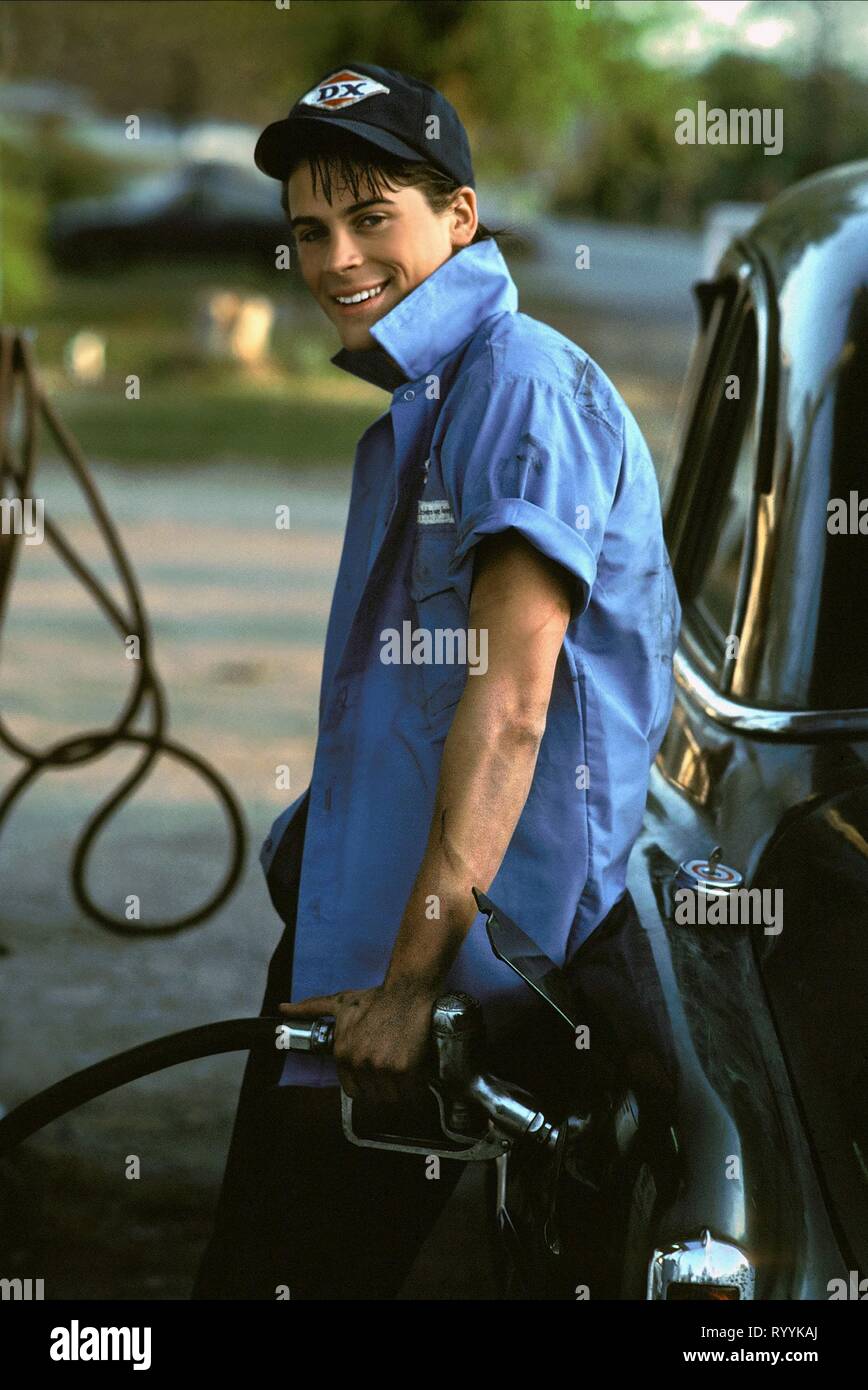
17, 372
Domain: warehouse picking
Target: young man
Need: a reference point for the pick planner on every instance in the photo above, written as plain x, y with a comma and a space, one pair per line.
497, 680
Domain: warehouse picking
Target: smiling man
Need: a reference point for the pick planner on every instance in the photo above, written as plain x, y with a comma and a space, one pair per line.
506, 491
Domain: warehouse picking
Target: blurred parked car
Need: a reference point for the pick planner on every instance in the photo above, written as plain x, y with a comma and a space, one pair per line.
201, 210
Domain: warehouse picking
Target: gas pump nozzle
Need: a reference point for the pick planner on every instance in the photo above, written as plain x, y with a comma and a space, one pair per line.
480, 1115
458, 1037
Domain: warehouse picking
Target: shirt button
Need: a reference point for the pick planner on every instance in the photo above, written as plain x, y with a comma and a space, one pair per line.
409, 395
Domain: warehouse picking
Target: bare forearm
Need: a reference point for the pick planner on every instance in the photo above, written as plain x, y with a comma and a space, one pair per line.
485, 775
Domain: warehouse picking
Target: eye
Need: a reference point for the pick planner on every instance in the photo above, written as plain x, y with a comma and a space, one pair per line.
309, 236
373, 217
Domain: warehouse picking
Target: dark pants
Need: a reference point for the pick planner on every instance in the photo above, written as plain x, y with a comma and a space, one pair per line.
302, 1209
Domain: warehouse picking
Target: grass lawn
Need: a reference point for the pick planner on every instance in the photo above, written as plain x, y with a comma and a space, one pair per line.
296, 409
301, 424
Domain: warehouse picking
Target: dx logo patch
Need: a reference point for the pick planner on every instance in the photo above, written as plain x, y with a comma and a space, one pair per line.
343, 88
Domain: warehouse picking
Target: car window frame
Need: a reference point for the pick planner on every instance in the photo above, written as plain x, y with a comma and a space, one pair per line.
711, 687
726, 302
744, 433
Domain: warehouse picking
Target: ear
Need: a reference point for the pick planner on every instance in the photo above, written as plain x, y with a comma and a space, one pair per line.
465, 217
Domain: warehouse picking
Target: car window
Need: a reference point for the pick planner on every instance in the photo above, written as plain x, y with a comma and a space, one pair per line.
717, 596
722, 514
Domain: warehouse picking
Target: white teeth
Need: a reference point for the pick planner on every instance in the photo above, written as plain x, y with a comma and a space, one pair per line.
362, 295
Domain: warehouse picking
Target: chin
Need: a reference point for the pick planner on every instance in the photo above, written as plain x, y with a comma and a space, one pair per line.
356, 341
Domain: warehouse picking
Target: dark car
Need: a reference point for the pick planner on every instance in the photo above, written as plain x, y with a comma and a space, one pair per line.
745, 1173
204, 209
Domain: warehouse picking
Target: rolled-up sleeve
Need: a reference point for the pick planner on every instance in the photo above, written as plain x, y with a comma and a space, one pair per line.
518, 453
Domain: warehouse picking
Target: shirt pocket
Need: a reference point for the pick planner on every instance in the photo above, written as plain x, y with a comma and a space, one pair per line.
440, 612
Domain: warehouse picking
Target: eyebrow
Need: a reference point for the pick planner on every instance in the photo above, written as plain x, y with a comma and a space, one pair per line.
347, 212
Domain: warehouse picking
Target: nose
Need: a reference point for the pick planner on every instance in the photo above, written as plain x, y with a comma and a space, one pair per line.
342, 253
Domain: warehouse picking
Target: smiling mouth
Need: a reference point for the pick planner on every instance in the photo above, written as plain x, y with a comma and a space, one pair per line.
365, 296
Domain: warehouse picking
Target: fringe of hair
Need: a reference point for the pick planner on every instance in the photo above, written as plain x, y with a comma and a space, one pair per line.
339, 158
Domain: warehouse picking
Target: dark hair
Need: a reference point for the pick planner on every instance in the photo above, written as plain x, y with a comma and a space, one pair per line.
340, 156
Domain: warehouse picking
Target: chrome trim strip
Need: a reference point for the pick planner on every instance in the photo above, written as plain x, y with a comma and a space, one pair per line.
771, 723
702, 1261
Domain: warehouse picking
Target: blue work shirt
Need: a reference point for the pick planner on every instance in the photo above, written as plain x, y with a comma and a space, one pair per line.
496, 422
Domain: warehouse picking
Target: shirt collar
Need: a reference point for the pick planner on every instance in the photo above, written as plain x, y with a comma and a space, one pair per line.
435, 318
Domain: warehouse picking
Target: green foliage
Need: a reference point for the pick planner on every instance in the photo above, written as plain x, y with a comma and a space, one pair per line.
632, 170
36, 172
25, 278
519, 70
558, 97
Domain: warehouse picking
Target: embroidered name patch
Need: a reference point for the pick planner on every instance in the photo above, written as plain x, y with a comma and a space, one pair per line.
435, 513
343, 88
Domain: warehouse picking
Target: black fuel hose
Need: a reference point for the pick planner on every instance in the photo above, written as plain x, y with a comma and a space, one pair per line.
17, 369
209, 1040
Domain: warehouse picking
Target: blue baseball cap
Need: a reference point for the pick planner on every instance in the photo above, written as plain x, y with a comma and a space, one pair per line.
386, 108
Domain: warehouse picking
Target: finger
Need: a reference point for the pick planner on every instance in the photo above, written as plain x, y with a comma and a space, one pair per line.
381, 1085
349, 1084
386, 1088
409, 1087
360, 1082
391, 1091
312, 1007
